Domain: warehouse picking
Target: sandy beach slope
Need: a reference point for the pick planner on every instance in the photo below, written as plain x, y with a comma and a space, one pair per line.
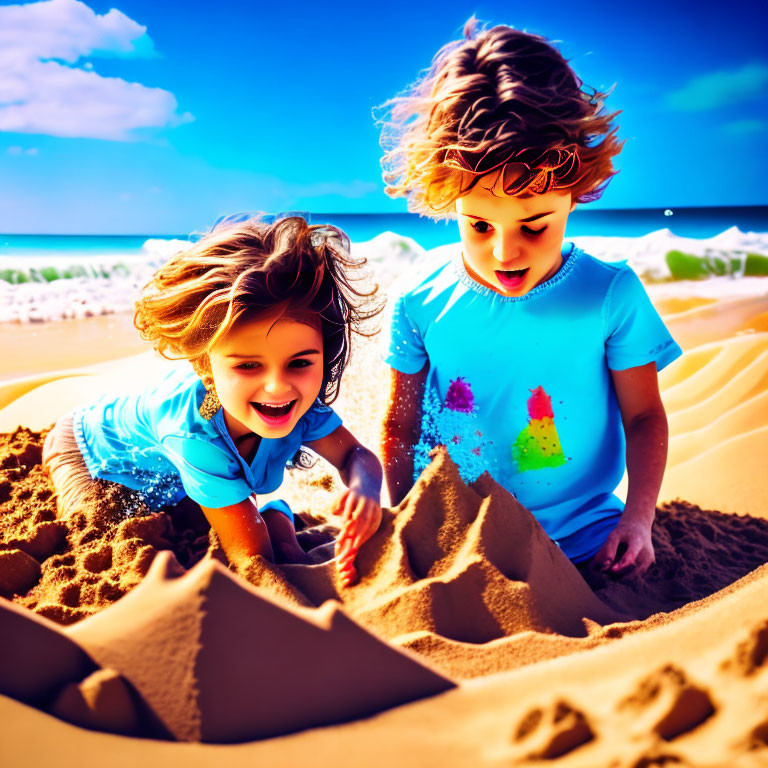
469, 640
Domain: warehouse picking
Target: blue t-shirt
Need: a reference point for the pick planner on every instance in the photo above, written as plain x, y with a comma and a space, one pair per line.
521, 386
157, 443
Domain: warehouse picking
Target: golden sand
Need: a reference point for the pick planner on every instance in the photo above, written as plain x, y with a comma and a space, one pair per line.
464, 607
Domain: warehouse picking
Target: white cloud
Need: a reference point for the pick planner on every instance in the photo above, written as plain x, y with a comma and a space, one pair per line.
66, 30
45, 87
720, 89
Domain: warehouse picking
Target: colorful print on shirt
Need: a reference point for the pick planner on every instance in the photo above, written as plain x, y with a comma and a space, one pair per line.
538, 445
453, 423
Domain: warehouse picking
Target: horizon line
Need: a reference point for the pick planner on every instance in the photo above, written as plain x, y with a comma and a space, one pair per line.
577, 211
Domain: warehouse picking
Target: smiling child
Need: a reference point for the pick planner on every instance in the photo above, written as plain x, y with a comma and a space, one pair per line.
264, 312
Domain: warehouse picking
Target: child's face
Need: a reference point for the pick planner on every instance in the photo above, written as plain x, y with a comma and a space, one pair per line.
267, 373
511, 244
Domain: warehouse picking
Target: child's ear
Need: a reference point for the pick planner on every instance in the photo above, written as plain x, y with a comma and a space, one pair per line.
202, 367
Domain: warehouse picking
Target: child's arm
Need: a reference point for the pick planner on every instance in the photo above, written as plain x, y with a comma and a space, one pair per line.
645, 427
401, 432
241, 531
360, 504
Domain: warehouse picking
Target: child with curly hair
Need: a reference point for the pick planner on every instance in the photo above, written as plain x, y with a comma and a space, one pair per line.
522, 354
264, 312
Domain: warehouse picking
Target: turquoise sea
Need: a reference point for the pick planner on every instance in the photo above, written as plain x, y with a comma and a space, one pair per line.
686, 222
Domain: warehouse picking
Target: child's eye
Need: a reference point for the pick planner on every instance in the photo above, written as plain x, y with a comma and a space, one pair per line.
481, 227
300, 363
534, 232
249, 366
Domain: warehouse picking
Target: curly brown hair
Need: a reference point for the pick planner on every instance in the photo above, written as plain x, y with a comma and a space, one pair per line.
497, 92
250, 269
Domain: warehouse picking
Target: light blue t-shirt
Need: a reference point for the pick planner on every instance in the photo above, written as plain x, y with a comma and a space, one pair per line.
521, 386
157, 443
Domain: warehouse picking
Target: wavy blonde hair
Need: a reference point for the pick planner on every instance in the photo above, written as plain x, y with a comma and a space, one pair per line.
496, 91
250, 269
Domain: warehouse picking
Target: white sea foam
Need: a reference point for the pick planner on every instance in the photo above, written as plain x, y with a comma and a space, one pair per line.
388, 254
647, 254
42, 289
105, 285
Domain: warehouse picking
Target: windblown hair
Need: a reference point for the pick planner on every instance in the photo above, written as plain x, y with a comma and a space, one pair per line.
249, 269
496, 91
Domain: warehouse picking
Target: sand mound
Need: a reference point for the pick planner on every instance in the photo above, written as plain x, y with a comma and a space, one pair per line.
463, 576
200, 656
469, 564
67, 570
715, 396
698, 553
207, 654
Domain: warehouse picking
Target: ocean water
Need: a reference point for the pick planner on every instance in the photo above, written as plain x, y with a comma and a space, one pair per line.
684, 222
54, 277
73, 246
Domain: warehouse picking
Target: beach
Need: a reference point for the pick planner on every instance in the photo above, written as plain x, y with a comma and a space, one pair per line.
469, 639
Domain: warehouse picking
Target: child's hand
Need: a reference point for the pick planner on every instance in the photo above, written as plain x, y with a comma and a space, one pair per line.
361, 517
638, 554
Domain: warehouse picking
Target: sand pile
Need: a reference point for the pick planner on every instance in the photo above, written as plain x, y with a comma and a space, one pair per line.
67, 570
462, 577
208, 656
452, 563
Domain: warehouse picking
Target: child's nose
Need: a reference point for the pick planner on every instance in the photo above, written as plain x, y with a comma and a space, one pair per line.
506, 249
275, 385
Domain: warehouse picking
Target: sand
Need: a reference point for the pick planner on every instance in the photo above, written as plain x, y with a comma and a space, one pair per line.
36, 348
469, 639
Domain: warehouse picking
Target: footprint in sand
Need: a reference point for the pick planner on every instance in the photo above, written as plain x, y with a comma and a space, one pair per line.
758, 738
750, 654
546, 734
667, 704
748, 660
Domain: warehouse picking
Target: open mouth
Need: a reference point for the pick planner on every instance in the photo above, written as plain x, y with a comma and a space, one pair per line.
274, 413
511, 278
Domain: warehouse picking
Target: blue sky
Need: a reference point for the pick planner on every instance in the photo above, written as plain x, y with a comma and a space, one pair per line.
158, 117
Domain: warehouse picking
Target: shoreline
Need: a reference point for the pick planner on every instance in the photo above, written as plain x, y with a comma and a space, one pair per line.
35, 348
38, 289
